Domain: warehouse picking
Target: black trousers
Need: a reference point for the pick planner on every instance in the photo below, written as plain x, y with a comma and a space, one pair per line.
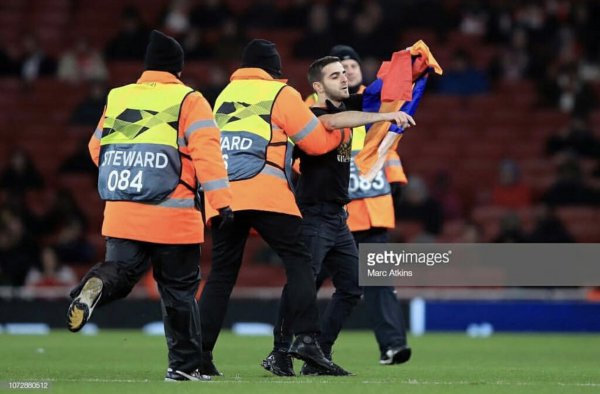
177, 272
282, 233
326, 234
383, 307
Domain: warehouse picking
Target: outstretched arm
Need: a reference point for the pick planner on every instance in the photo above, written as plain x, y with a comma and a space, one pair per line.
357, 118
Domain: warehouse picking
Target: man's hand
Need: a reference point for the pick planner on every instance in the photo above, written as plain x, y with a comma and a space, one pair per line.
226, 216
402, 119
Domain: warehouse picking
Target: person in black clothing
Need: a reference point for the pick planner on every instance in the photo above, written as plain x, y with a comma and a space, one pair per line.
322, 193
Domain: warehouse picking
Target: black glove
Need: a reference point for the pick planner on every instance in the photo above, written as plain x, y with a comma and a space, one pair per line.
226, 215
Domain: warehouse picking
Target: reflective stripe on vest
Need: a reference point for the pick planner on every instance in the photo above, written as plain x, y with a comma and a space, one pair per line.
359, 187
139, 154
243, 113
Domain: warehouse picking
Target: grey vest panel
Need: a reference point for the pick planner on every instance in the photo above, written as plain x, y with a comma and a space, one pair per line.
138, 172
360, 188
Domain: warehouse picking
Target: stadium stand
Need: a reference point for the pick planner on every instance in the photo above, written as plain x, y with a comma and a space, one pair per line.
466, 135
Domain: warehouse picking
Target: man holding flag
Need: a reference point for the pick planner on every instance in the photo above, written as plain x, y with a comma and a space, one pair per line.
322, 193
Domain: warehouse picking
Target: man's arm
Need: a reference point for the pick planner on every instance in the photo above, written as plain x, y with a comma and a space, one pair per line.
302, 126
203, 140
94, 144
357, 118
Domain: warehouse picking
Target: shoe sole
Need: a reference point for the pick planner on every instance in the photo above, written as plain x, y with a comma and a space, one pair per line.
82, 307
326, 374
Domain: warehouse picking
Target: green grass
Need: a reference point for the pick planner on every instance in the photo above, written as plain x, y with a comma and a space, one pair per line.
129, 362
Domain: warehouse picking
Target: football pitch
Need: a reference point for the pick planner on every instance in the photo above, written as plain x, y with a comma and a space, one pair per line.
130, 362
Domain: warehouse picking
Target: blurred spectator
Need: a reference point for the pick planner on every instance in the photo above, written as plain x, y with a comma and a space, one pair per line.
217, 81
342, 12
70, 244
262, 14
563, 88
472, 233
62, 210
295, 15
80, 162
513, 61
176, 18
318, 38
576, 95
569, 187
18, 250
33, 62
416, 205
231, 41
368, 36
210, 14
462, 77
500, 23
474, 20
51, 274
369, 67
88, 112
21, 174
82, 63
7, 64
443, 191
576, 138
510, 191
131, 39
17, 205
65, 224
548, 228
194, 45
548, 91
510, 230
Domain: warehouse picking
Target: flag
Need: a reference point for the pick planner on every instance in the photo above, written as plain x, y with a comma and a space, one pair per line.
399, 86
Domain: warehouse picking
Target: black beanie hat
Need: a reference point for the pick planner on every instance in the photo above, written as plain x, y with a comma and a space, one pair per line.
163, 53
262, 54
344, 52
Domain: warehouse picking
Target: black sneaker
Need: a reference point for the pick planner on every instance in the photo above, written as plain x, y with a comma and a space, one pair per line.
279, 363
207, 367
395, 355
178, 376
310, 370
83, 305
307, 349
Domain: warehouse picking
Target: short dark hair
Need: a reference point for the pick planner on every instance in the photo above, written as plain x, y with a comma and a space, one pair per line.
315, 73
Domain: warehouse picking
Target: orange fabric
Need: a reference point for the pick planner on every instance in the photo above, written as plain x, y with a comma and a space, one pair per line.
290, 117
366, 213
369, 154
311, 100
145, 222
367, 158
371, 212
394, 171
399, 86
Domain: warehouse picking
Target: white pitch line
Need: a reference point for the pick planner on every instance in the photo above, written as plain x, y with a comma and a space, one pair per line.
349, 380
